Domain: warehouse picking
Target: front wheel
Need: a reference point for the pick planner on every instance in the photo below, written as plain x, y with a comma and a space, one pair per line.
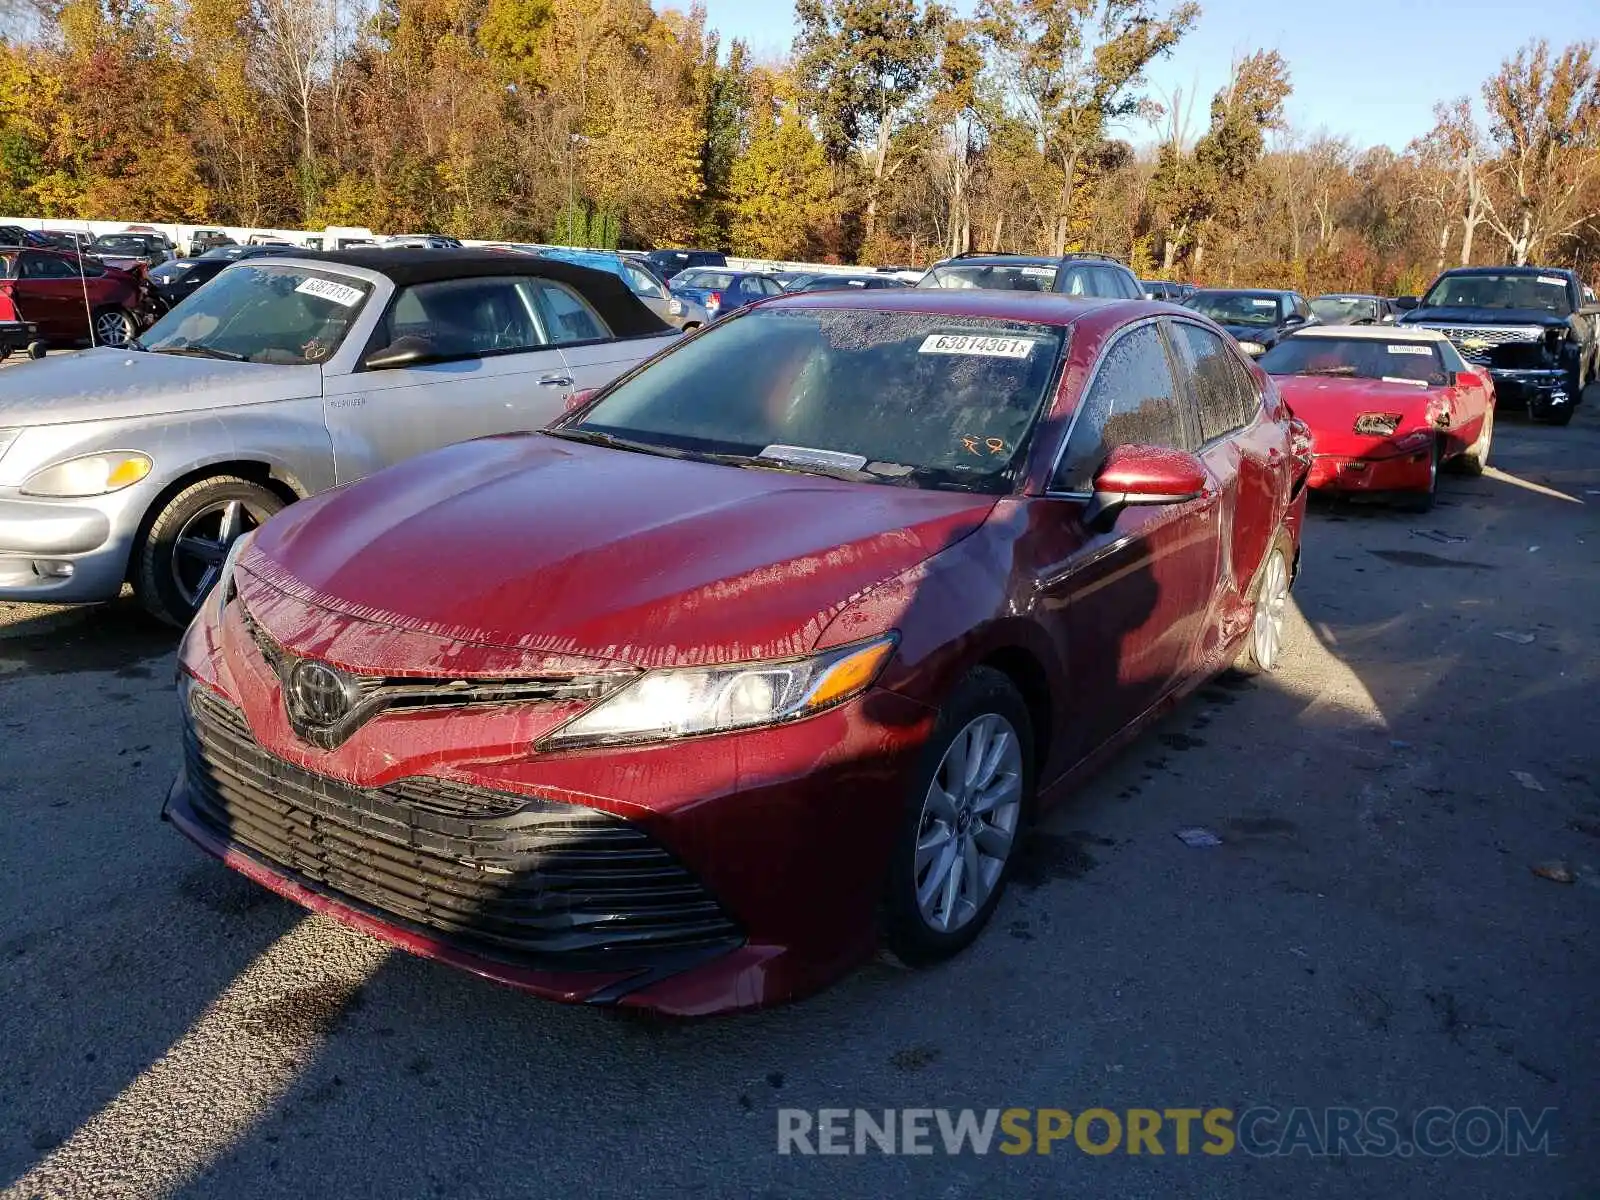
1423, 501
959, 831
113, 327
177, 563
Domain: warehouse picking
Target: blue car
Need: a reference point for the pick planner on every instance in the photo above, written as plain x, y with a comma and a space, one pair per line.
652, 292
721, 291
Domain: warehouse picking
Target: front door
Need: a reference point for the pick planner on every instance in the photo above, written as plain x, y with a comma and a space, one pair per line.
50, 293
1125, 604
490, 369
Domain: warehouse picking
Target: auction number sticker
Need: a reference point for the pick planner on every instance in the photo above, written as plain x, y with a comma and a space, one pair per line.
1423, 350
1040, 272
326, 289
1555, 279
1264, 304
984, 347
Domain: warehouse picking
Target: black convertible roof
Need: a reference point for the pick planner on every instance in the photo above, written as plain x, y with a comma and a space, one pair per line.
617, 306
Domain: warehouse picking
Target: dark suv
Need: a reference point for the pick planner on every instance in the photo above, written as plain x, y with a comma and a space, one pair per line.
667, 263
1071, 275
1532, 328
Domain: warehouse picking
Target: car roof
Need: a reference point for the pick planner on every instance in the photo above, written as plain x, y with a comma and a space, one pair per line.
999, 260
1488, 270
1040, 308
405, 267
1227, 291
1373, 333
1347, 296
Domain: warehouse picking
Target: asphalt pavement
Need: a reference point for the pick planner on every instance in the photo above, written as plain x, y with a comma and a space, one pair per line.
1370, 933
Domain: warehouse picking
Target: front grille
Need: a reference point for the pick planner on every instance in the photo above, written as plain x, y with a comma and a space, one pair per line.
1510, 347
519, 879
379, 693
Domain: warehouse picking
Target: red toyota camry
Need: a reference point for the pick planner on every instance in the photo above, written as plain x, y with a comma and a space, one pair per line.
1387, 407
764, 656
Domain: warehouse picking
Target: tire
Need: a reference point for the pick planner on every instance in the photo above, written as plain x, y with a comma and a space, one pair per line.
1269, 600
1423, 502
113, 327
1476, 456
926, 921
176, 561
1561, 415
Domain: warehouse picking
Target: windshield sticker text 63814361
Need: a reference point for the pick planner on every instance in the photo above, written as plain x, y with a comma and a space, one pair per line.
985, 347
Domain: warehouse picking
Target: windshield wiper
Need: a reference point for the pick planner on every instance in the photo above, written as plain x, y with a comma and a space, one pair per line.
194, 351
594, 437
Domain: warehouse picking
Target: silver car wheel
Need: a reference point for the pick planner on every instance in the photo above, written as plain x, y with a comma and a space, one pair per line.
969, 822
111, 329
1271, 602
203, 544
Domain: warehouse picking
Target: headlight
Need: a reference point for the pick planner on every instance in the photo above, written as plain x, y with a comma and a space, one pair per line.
1252, 348
671, 704
7, 436
91, 475
1378, 424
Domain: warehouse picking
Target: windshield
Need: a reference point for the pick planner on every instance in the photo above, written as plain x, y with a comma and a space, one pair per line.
901, 398
701, 278
1357, 358
1495, 289
1006, 277
1236, 308
1345, 310
263, 313
115, 241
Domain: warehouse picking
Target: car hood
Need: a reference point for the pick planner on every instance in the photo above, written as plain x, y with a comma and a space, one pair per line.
1331, 405
561, 548
105, 384
1483, 316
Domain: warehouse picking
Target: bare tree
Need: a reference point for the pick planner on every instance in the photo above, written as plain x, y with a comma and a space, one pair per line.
298, 54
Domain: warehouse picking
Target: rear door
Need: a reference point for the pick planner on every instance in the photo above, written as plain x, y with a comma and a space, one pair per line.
1246, 451
493, 371
1127, 604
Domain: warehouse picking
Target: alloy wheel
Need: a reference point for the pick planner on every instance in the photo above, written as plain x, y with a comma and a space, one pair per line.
969, 823
1271, 602
203, 544
111, 329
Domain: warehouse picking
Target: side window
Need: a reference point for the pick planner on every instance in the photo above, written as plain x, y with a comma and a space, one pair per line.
642, 284
465, 318
566, 314
770, 286
1219, 383
44, 266
92, 267
1133, 400
1124, 286
1075, 281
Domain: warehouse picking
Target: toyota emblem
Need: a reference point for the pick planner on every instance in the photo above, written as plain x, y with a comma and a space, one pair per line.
320, 694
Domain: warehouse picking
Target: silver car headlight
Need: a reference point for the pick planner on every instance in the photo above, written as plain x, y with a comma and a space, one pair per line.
90, 475
662, 705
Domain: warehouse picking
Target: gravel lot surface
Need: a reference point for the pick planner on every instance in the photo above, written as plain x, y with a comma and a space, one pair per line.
1369, 932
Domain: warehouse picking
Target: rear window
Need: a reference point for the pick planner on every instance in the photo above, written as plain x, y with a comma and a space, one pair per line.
904, 398
715, 280
1357, 358
1007, 277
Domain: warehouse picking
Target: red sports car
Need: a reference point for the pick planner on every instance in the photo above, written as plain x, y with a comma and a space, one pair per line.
1387, 407
769, 651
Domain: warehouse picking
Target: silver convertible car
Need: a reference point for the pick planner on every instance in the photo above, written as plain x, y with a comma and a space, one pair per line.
280, 378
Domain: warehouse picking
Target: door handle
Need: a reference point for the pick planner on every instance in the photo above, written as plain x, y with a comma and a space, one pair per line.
554, 381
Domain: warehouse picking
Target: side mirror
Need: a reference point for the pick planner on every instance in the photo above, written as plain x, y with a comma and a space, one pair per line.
1405, 303
402, 352
1388, 319
1468, 379
1136, 475
1293, 319
578, 399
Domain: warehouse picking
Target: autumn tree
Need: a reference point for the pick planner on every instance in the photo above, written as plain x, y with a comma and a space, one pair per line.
862, 65
1075, 68
1544, 117
781, 186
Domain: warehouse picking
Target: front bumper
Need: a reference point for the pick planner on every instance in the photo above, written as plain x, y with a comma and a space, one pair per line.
779, 839
1542, 390
63, 551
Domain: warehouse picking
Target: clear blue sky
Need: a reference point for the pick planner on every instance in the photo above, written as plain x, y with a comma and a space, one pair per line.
1369, 70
